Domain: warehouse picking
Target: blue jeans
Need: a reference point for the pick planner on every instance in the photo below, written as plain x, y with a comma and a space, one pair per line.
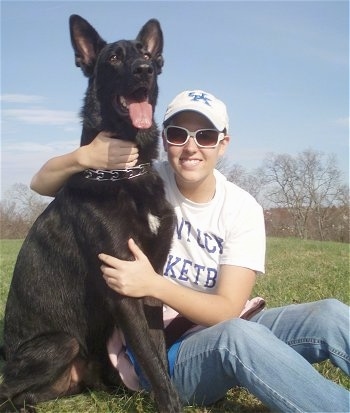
270, 355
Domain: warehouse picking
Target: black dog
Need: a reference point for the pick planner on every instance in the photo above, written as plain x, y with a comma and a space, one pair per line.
59, 312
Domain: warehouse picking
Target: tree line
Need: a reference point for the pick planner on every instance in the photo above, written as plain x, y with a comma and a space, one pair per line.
303, 196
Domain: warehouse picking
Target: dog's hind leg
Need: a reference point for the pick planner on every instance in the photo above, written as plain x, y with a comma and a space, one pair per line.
40, 370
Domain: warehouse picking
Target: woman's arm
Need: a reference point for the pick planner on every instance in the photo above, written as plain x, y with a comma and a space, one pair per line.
138, 278
104, 152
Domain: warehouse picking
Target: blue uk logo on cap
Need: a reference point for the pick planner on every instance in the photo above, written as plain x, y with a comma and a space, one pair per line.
200, 98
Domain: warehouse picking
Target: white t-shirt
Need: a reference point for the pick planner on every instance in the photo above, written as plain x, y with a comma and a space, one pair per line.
227, 230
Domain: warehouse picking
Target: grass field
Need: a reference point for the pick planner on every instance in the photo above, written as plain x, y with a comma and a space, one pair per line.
297, 271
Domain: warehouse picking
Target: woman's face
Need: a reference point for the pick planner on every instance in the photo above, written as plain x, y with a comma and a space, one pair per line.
193, 164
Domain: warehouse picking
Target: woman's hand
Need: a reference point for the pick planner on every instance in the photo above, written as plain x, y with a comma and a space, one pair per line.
138, 279
106, 152
132, 278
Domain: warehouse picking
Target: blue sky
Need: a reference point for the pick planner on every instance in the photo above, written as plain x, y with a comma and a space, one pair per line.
281, 67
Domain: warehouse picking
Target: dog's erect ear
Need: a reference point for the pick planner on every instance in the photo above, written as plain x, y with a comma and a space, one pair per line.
86, 43
151, 36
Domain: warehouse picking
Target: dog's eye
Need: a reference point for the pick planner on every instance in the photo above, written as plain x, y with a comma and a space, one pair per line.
117, 55
147, 56
114, 59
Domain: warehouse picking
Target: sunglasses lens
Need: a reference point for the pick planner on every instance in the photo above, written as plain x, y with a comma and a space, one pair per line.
176, 135
207, 137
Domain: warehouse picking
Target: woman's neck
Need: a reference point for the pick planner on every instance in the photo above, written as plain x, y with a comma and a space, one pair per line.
199, 192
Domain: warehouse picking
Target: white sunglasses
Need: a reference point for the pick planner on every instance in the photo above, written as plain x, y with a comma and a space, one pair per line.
204, 138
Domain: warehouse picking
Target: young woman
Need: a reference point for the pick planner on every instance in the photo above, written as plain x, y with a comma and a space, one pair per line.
218, 248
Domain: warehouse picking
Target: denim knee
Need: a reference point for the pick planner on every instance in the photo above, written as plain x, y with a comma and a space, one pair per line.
237, 332
329, 312
332, 306
324, 333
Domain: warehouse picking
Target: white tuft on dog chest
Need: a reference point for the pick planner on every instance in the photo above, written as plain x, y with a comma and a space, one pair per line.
154, 223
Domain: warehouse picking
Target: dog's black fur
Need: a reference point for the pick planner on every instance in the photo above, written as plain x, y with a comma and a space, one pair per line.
59, 309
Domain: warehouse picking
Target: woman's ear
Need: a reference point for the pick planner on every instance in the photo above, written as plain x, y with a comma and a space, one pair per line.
223, 145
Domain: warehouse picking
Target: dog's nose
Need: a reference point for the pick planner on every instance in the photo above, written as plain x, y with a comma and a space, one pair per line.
143, 69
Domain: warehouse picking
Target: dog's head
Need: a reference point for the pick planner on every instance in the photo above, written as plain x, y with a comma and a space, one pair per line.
123, 90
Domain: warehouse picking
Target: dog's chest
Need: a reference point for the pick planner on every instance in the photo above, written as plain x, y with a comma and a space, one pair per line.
153, 223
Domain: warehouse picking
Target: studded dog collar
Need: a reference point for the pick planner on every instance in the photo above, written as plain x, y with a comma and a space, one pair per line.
117, 174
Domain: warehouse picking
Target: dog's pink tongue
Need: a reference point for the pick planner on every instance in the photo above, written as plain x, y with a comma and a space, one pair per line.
141, 114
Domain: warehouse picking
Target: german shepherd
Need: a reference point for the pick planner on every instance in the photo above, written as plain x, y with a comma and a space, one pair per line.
60, 313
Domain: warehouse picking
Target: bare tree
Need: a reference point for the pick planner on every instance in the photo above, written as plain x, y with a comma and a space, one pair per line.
332, 222
19, 209
307, 185
27, 202
250, 181
12, 225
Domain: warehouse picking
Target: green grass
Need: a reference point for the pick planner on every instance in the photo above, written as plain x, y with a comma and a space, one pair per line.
297, 271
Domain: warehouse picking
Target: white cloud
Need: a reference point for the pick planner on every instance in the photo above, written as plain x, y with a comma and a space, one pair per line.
35, 115
16, 149
342, 122
27, 147
19, 98
21, 160
42, 116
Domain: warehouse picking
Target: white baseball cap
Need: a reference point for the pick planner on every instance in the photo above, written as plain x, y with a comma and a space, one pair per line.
201, 102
